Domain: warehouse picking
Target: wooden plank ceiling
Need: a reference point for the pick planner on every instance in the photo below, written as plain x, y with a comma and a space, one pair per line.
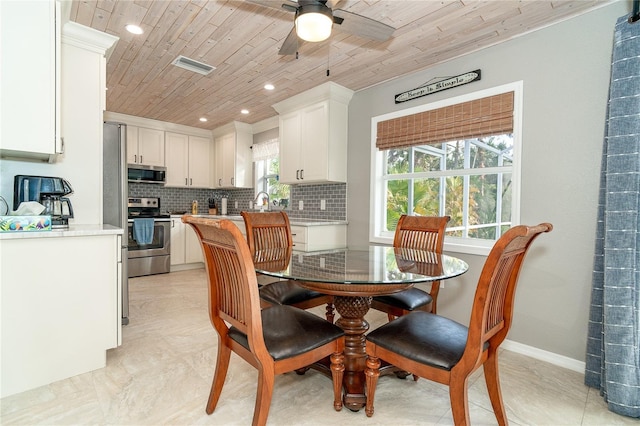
242, 40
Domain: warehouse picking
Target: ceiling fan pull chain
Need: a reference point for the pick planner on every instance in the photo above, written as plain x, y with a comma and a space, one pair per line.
328, 58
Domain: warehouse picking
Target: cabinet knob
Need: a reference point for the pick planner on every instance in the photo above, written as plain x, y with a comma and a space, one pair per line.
191, 181
185, 182
141, 159
301, 173
135, 158
232, 182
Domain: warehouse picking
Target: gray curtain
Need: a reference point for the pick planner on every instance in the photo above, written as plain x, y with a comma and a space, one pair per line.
613, 345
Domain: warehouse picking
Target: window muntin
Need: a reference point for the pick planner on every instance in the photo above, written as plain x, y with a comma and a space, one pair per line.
475, 181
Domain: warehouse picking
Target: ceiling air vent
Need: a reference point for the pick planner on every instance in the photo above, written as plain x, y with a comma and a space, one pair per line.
192, 65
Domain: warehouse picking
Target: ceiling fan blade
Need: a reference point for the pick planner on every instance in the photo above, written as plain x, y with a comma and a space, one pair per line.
362, 26
288, 5
331, 4
290, 45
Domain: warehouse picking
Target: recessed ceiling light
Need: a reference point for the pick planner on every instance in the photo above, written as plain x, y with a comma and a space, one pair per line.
269, 86
134, 29
244, 111
203, 119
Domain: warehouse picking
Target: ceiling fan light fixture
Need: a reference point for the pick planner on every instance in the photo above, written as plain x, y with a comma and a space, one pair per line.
313, 22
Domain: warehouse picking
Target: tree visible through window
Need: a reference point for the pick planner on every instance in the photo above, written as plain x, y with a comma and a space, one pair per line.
469, 180
278, 192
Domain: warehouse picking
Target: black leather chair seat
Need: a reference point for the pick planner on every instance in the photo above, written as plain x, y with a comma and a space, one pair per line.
284, 331
286, 293
423, 337
409, 299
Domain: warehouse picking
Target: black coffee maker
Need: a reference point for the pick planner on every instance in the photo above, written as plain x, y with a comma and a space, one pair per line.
48, 191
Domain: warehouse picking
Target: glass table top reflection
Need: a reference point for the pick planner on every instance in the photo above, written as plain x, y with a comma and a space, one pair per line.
359, 265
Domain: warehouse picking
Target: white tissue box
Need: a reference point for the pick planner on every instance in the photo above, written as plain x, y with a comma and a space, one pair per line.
25, 223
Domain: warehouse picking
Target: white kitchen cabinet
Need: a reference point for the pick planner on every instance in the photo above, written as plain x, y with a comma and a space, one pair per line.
192, 248
314, 237
59, 317
313, 135
188, 160
177, 241
185, 247
145, 146
240, 224
233, 157
30, 84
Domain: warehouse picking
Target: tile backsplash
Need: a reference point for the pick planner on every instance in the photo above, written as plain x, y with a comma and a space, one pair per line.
179, 199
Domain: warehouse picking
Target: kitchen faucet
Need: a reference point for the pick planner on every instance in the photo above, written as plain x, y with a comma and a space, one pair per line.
262, 205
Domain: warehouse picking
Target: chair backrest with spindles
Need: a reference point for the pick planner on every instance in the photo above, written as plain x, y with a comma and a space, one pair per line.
267, 230
233, 289
492, 309
421, 232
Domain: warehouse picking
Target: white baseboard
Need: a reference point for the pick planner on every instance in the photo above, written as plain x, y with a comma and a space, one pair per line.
542, 355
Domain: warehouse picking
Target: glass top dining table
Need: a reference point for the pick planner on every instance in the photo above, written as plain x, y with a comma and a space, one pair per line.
373, 270
353, 276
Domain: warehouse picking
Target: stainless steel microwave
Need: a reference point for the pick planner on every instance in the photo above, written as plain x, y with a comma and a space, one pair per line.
147, 174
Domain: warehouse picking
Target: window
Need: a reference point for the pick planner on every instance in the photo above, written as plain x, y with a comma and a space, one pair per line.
473, 179
267, 170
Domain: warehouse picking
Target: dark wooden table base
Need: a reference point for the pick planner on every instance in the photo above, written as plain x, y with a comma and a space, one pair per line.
352, 310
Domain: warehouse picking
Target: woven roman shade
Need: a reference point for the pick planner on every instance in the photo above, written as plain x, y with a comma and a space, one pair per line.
481, 117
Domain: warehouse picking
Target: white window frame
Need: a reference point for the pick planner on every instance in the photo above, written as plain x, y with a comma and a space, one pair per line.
377, 183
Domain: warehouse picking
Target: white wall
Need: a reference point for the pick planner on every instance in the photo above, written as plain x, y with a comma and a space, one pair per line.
565, 73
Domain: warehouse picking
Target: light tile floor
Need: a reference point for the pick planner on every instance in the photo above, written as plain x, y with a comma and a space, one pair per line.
162, 375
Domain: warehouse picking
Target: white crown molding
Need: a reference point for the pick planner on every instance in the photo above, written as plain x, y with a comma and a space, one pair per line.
155, 124
327, 91
234, 126
266, 124
87, 38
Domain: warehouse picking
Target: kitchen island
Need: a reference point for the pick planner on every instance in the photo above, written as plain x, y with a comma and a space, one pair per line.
60, 295
308, 234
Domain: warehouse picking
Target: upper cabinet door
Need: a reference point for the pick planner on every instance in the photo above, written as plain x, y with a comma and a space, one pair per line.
314, 143
132, 144
225, 154
30, 78
177, 159
150, 147
290, 147
200, 150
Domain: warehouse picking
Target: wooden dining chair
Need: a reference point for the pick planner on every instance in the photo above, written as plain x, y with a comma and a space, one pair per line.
275, 340
437, 348
270, 230
414, 232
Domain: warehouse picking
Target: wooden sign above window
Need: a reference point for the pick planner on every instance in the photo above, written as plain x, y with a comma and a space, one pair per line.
438, 86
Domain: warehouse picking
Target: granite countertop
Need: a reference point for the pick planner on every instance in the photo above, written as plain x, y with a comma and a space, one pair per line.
293, 221
72, 231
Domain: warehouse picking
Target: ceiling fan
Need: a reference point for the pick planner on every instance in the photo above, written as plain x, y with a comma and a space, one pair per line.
314, 20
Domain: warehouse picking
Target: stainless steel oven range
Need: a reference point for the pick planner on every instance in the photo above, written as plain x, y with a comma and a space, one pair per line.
152, 256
